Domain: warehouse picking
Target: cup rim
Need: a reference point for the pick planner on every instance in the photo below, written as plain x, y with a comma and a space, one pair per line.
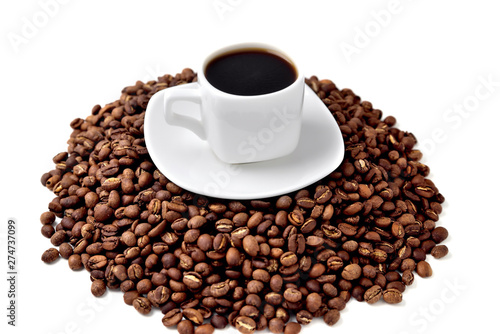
248, 45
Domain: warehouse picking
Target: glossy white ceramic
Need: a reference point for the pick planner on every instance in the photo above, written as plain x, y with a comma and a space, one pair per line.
240, 129
189, 162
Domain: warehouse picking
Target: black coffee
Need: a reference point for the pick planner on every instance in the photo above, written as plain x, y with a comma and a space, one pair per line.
250, 72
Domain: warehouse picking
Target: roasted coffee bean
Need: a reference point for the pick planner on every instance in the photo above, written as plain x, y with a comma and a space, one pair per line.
392, 296
185, 327
65, 250
378, 255
47, 218
130, 296
50, 255
97, 262
142, 305
347, 229
58, 237
439, 234
255, 286
185, 262
352, 272
160, 295
373, 294
292, 328
306, 203
253, 299
284, 202
249, 311
350, 246
276, 325
331, 317
129, 238
407, 277
313, 302
219, 289
314, 241
288, 259
94, 248
296, 243
292, 295
308, 226
218, 321
103, 212
135, 272
233, 257
304, 317
47, 231
353, 208
75, 262
317, 270
276, 282
251, 245
194, 315
338, 303
439, 251
224, 225
261, 275
192, 280
273, 298
296, 218
335, 263
172, 317
398, 285
144, 286
424, 269
204, 329
245, 325
98, 287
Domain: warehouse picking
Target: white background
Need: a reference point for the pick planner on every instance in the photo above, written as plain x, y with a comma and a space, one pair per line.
421, 61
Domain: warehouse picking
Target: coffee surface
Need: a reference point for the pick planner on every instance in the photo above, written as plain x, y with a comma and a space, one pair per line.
250, 72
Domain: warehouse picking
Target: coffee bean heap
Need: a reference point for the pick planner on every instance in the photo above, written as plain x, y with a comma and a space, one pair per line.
360, 232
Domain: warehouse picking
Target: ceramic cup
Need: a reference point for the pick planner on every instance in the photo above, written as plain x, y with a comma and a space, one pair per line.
240, 128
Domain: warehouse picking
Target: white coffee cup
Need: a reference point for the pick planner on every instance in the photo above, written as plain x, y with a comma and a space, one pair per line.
241, 128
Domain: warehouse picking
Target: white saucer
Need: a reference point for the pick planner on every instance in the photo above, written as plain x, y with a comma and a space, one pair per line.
189, 162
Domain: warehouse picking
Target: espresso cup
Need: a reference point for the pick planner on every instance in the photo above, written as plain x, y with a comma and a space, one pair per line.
250, 99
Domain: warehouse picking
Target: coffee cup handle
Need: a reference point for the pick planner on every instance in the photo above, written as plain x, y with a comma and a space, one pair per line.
187, 92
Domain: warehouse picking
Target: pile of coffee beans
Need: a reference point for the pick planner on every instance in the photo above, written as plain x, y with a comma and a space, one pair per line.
360, 233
